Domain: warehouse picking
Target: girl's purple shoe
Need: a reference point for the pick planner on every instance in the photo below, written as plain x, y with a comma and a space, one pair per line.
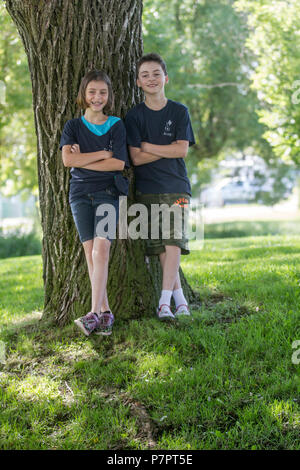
88, 323
106, 320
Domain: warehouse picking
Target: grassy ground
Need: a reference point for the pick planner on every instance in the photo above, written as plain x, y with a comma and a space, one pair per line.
223, 379
246, 228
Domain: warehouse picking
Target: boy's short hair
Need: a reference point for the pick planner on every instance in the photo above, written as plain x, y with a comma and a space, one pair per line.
98, 76
152, 57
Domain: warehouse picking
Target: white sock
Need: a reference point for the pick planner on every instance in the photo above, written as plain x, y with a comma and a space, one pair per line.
165, 297
179, 297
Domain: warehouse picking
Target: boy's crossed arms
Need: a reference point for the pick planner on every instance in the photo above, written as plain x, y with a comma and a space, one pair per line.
148, 153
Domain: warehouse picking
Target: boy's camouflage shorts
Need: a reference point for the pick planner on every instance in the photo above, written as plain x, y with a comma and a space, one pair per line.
161, 233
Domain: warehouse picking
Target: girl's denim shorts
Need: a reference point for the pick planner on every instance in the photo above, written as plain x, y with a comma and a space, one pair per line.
96, 214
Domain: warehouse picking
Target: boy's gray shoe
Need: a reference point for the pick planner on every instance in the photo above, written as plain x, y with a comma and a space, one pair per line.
182, 311
164, 312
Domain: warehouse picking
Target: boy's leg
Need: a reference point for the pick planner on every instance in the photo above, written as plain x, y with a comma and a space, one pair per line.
177, 284
170, 265
177, 292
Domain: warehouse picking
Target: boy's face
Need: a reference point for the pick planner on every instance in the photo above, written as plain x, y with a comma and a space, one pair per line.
151, 77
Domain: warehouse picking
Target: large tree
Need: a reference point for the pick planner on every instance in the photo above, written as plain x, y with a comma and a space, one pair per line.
62, 40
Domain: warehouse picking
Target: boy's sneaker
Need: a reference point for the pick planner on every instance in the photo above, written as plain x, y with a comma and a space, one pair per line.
106, 321
164, 312
182, 310
88, 323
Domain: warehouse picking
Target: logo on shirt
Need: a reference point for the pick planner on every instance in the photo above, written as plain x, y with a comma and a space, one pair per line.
182, 202
167, 130
109, 148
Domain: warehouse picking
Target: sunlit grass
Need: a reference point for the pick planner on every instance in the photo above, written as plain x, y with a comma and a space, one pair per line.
223, 379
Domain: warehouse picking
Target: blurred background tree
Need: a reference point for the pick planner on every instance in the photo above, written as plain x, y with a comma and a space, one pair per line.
18, 164
274, 37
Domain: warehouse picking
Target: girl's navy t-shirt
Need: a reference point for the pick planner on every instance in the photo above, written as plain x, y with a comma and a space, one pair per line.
167, 175
90, 137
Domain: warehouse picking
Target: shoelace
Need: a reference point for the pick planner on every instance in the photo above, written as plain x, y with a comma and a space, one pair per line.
106, 319
91, 319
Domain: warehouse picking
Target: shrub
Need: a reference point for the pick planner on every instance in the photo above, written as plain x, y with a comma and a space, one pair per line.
17, 243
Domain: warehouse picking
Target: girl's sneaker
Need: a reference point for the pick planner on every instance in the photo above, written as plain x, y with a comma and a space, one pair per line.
164, 312
106, 321
182, 310
88, 323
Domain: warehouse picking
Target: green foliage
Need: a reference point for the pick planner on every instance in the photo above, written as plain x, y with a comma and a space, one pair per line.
223, 379
17, 134
276, 43
203, 44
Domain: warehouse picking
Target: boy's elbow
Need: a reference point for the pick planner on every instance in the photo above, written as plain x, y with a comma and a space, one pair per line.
134, 155
184, 150
134, 160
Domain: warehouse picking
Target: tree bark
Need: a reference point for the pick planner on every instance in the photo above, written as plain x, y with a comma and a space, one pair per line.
63, 39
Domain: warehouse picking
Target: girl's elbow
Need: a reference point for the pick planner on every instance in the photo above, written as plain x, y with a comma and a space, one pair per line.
66, 158
66, 161
119, 165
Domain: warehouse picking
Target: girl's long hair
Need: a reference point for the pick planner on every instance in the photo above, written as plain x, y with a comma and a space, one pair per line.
100, 76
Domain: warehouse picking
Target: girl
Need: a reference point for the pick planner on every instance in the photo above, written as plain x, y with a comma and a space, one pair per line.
94, 146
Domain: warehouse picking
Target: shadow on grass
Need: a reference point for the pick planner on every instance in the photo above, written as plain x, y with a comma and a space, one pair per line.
148, 386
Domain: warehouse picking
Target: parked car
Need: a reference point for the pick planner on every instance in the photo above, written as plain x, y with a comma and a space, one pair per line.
237, 191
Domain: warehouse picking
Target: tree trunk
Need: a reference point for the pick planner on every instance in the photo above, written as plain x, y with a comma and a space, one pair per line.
63, 40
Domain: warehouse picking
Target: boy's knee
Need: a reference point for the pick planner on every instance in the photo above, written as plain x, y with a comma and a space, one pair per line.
172, 249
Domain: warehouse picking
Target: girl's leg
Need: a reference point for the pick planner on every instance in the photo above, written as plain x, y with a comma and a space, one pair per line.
100, 258
88, 250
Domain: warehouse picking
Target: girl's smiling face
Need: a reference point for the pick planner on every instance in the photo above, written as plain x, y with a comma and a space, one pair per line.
96, 95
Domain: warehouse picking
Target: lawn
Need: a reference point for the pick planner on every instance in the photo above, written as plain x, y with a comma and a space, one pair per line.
223, 379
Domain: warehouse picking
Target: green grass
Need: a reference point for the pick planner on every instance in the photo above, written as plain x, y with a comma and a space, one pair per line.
246, 228
223, 379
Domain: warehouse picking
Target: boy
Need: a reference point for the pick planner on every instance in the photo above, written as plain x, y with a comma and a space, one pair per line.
159, 133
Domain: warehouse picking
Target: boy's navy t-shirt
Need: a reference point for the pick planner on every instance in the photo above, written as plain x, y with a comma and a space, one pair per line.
167, 175
91, 137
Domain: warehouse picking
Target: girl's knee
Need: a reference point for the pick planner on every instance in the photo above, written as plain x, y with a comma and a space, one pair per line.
101, 250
